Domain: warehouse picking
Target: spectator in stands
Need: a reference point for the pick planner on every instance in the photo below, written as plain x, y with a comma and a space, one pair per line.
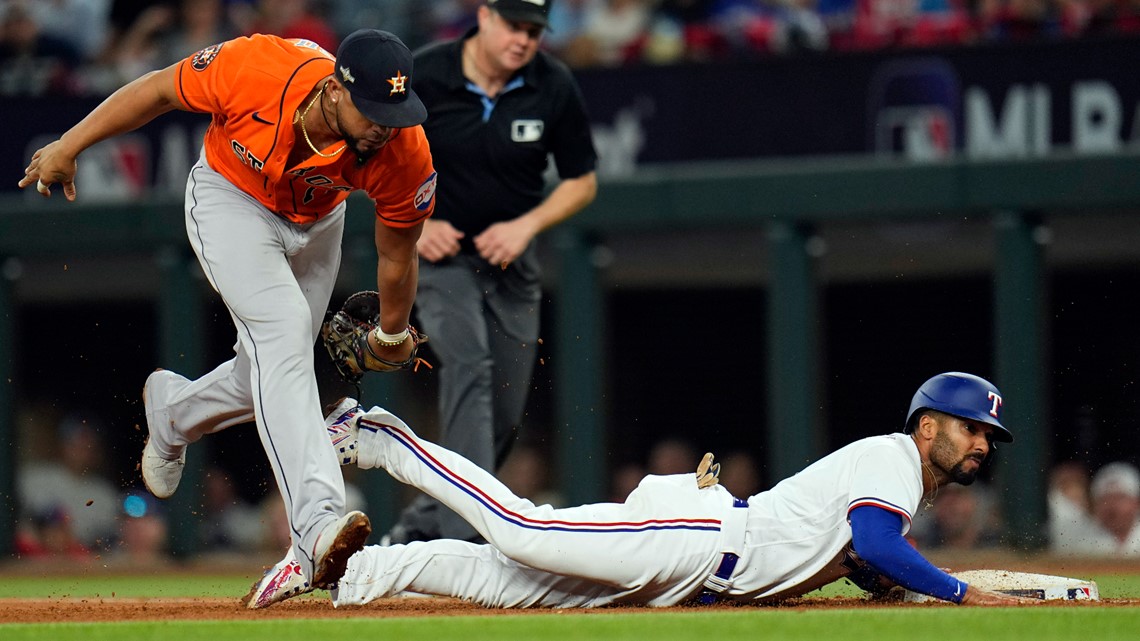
566, 29
73, 482
197, 25
527, 473
81, 23
746, 26
138, 48
453, 18
893, 23
1105, 17
120, 18
615, 32
161, 35
963, 518
672, 456
1067, 503
739, 473
293, 19
624, 480
228, 522
143, 532
1021, 20
48, 534
33, 63
405, 17
700, 41
1115, 532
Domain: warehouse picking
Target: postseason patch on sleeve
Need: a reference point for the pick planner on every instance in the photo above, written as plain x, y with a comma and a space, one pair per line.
203, 58
425, 193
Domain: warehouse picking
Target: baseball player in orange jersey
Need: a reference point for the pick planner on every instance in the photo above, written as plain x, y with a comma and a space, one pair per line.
293, 132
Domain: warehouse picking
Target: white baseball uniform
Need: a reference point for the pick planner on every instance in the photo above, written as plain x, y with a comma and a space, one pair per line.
658, 548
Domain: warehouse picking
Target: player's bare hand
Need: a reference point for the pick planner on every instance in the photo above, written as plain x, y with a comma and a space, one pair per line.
501, 243
51, 165
438, 240
975, 596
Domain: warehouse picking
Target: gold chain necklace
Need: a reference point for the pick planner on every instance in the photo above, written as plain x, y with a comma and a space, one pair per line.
305, 132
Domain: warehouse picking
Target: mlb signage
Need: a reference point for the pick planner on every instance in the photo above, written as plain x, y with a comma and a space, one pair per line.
1007, 101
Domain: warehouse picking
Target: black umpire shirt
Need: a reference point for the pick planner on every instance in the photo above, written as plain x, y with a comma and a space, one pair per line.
491, 153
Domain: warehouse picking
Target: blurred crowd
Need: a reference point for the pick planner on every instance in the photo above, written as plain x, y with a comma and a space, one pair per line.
71, 510
92, 47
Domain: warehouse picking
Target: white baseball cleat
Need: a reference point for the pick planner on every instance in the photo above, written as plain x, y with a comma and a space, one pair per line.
160, 475
282, 581
339, 541
341, 425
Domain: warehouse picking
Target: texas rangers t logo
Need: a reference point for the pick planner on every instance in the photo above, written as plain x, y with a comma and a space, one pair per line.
397, 81
996, 404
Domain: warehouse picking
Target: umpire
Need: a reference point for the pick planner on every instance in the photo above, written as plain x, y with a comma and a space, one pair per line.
497, 108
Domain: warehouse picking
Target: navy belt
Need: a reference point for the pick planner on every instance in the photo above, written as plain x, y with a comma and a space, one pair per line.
718, 582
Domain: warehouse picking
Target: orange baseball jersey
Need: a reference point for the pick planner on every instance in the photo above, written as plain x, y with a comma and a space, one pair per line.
253, 86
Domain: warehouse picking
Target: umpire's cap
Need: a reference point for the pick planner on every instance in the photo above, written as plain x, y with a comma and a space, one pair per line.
962, 395
376, 68
532, 11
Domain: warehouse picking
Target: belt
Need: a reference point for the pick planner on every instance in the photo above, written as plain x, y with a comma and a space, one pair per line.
718, 581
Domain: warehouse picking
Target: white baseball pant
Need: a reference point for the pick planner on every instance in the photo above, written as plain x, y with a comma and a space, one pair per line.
656, 548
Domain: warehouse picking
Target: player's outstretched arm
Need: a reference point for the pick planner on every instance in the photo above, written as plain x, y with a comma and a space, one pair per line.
129, 108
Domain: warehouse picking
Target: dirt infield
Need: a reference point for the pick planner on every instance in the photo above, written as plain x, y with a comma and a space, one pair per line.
112, 608
196, 609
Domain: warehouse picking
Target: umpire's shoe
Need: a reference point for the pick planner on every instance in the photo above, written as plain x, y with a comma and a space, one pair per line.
160, 475
340, 421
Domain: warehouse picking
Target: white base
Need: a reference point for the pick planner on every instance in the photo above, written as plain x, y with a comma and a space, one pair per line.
1024, 584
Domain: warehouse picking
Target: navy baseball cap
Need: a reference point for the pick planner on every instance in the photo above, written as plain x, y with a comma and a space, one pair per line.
376, 68
532, 11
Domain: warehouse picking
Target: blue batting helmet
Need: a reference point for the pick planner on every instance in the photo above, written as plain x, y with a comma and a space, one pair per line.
963, 395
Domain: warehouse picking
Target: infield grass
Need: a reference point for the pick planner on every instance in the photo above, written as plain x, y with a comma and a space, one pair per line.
1038, 624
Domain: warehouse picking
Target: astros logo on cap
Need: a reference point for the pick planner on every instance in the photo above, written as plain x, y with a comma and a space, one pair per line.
397, 81
347, 74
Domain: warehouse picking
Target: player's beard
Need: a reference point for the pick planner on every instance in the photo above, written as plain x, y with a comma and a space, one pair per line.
362, 155
942, 454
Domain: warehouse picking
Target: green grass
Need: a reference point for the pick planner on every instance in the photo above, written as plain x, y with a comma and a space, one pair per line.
164, 586
1044, 623
1038, 624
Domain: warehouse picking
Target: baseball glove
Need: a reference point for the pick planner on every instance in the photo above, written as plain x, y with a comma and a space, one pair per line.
345, 335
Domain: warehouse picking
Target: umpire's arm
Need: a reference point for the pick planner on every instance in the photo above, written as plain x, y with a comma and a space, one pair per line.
501, 243
129, 108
